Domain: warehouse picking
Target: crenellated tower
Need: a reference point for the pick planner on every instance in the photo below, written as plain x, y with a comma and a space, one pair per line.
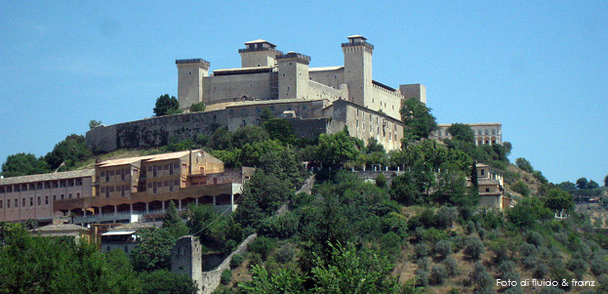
190, 73
293, 75
358, 69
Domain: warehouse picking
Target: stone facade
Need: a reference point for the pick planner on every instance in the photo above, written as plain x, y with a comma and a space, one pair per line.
485, 133
283, 83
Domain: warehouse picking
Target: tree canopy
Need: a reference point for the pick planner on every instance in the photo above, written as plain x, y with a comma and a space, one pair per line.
22, 164
462, 132
418, 121
166, 105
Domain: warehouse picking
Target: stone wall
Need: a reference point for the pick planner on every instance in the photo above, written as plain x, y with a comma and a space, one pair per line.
159, 131
211, 279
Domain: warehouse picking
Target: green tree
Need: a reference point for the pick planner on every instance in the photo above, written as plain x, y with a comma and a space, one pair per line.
334, 150
222, 139
173, 221
249, 134
592, 185
166, 282
282, 281
418, 121
558, 200
154, 251
94, 123
280, 129
462, 132
68, 152
35, 265
524, 164
166, 105
527, 212
582, 183
197, 107
22, 164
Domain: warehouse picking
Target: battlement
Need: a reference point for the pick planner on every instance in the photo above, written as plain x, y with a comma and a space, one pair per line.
205, 63
358, 40
297, 56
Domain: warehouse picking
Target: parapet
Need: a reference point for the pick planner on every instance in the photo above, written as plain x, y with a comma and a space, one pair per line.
297, 56
358, 40
205, 63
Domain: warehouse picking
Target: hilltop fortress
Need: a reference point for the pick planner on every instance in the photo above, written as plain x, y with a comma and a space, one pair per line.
315, 100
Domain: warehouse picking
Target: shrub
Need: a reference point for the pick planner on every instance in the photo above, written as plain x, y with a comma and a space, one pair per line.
381, 180
470, 228
262, 245
226, 277
423, 263
541, 270
535, 238
599, 266
522, 188
480, 277
423, 278
285, 254
444, 248
391, 243
280, 226
577, 264
526, 249
236, 260
446, 216
451, 266
255, 259
530, 262
421, 250
474, 248
438, 274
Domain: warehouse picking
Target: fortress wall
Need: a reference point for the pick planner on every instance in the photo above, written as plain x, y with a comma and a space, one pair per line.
156, 131
332, 78
309, 128
319, 91
224, 88
387, 101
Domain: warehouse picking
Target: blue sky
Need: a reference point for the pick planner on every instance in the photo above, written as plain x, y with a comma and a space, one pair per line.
538, 68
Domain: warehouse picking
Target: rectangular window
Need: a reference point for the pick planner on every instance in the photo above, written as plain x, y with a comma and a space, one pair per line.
46, 200
39, 201
77, 195
2, 189
70, 196
103, 174
62, 184
22, 202
16, 188
31, 201
54, 197
62, 196
111, 173
70, 183
166, 167
1, 204
8, 204
47, 185
39, 186
166, 184
78, 182
24, 187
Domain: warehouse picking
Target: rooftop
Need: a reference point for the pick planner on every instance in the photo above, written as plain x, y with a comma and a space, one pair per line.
48, 177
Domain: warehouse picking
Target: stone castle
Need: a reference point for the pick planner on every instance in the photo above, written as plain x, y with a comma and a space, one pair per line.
316, 100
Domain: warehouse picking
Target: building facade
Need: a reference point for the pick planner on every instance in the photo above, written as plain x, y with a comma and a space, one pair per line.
485, 133
490, 187
33, 196
124, 190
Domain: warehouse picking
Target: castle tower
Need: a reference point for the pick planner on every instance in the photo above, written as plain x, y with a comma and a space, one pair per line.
293, 75
416, 91
358, 69
186, 258
190, 73
259, 53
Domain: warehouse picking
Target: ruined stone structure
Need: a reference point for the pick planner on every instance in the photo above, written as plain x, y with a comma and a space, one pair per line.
186, 258
316, 100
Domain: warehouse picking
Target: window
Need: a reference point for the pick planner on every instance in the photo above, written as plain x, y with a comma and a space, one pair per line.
61, 184
62, 196
31, 201
8, 204
47, 185
54, 197
166, 166
17, 188
483, 172
1, 204
77, 195
70, 196
46, 200
24, 187
22, 202
39, 201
